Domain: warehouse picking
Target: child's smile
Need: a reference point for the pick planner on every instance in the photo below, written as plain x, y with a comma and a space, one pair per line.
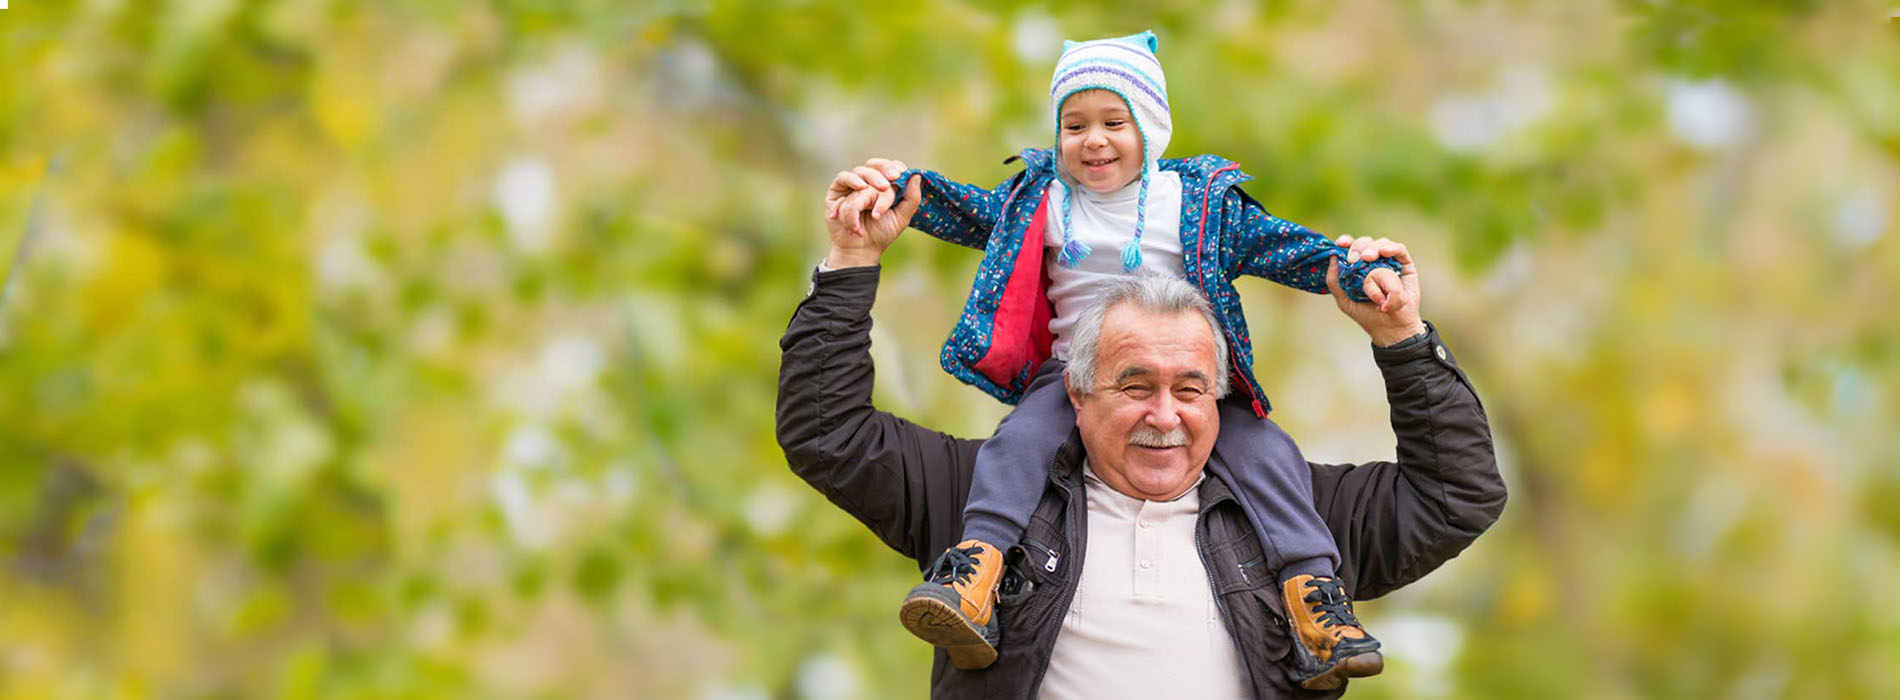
1100, 145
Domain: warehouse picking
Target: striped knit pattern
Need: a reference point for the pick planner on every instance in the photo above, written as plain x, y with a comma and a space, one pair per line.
1127, 67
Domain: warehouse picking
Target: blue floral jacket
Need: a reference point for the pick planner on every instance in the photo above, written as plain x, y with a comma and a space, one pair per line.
1003, 335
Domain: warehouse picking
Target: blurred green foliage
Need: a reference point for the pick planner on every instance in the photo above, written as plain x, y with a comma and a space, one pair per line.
421, 348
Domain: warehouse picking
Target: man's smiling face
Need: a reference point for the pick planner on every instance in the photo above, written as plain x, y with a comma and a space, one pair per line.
1150, 421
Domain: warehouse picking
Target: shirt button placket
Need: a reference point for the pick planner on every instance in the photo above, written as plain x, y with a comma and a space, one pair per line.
1147, 551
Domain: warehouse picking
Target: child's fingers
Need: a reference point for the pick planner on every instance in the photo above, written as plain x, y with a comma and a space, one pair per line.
845, 183
871, 175
1363, 249
883, 204
1392, 292
848, 181
1352, 245
866, 204
859, 204
1384, 247
848, 210
834, 206
1373, 291
1379, 246
890, 168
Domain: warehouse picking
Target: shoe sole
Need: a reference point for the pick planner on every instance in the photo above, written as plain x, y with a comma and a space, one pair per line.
936, 622
1367, 664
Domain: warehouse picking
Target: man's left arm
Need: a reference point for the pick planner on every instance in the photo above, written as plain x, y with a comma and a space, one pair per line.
1397, 521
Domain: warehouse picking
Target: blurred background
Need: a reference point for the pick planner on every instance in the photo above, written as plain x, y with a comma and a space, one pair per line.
428, 349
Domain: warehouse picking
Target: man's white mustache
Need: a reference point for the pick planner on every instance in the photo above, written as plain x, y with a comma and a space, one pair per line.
1150, 437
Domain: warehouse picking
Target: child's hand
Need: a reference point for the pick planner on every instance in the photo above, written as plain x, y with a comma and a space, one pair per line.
1383, 287
1393, 314
861, 226
871, 182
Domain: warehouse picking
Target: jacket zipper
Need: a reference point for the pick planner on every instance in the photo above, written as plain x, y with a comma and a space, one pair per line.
1078, 539
1003, 216
1050, 554
1200, 242
1200, 235
1213, 587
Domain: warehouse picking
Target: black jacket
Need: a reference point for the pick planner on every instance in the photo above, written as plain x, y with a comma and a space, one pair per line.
1394, 522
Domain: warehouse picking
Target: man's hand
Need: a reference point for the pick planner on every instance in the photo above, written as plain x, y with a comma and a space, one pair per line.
859, 216
1392, 315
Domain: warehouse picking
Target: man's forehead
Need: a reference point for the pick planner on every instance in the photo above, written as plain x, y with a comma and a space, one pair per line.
1138, 370
1155, 343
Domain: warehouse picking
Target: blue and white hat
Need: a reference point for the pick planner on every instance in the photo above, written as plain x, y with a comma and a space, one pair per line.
1127, 67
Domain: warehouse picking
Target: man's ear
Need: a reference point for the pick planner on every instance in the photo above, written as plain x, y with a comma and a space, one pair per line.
1075, 397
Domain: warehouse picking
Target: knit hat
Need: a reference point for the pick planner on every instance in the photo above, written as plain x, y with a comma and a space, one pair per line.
1127, 67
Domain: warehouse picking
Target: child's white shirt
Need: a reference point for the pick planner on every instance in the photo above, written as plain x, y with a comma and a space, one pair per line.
1105, 222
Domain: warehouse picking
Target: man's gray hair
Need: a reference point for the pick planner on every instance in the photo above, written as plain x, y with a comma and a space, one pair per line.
1149, 292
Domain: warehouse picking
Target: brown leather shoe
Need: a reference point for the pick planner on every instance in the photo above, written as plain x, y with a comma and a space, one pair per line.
1330, 646
955, 606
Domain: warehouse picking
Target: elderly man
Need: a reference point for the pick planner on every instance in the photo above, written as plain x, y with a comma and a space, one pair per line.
1138, 576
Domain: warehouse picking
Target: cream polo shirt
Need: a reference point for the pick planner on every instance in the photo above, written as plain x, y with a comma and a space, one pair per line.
1144, 623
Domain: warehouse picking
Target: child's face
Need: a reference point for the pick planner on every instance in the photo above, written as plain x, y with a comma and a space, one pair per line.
1098, 142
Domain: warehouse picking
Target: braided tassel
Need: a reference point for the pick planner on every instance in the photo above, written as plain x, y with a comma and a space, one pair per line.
1072, 254
1131, 253
1073, 251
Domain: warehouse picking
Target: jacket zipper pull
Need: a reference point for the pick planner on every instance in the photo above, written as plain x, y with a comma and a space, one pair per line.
1050, 566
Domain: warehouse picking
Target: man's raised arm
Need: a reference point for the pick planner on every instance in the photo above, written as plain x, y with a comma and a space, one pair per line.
1397, 521
905, 482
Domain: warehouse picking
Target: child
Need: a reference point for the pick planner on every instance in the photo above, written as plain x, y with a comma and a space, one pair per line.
1104, 204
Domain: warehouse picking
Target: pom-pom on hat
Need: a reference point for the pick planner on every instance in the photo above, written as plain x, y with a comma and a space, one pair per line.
1127, 67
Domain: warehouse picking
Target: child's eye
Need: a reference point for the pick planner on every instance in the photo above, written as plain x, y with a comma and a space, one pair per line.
1115, 123
1072, 128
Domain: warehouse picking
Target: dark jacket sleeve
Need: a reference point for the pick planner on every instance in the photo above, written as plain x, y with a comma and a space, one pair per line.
905, 482
1397, 521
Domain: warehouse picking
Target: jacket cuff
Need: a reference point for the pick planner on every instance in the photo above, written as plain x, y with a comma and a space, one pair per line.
1420, 354
846, 290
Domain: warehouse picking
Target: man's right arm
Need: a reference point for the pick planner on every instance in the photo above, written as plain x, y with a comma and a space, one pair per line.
905, 482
